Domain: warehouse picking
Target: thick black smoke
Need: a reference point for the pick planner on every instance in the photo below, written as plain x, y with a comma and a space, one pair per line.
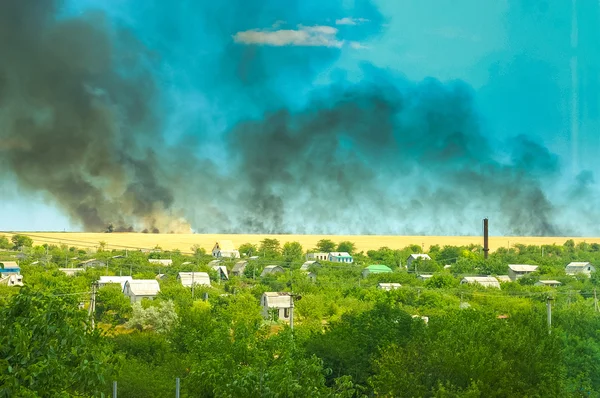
388, 156
76, 111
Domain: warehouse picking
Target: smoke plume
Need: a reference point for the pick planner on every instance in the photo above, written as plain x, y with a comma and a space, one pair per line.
84, 115
78, 117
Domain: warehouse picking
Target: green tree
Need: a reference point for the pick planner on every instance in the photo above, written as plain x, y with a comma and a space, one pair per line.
48, 349
325, 245
269, 248
198, 251
4, 243
292, 251
346, 246
159, 318
442, 280
101, 246
248, 249
112, 305
21, 241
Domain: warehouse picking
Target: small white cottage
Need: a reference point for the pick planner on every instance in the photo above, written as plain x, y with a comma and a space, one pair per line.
317, 256
225, 248
415, 256
11, 280
105, 280
92, 262
221, 272
485, 281
516, 271
272, 269
581, 268
139, 289
309, 264
188, 279
281, 302
340, 257
239, 268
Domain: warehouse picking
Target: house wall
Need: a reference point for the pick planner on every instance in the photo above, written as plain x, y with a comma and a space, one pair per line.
317, 256
341, 259
135, 299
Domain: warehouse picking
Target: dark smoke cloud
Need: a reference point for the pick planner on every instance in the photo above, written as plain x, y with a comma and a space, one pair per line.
78, 107
387, 156
82, 120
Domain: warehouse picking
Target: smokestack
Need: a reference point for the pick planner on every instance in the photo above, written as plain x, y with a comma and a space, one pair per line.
486, 247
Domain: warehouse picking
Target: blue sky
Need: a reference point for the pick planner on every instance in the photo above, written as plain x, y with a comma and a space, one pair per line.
217, 64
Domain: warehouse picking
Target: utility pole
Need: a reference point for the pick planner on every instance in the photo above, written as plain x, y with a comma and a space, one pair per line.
292, 312
596, 302
177, 387
549, 311
192, 284
92, 310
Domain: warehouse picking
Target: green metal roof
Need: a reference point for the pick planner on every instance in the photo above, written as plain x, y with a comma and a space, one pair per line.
378, 268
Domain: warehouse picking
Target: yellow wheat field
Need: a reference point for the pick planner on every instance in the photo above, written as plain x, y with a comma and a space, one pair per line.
184, 242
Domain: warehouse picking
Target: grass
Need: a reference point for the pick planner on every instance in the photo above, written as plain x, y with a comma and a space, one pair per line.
184, 242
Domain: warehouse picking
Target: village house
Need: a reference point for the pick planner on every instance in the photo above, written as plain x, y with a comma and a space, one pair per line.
312, 276
375, 269
139, 289
516, 271
92, 262
340, 257
221, 272
485, 281
424, 277
71, 271
503, 278
413, 257
9, 268
547, 282
188, 279
278, 302
582, 268
388, 286
225, 249
272, 269
309, 264
317, 256
239, 268
11, 280
105, 280
161, 261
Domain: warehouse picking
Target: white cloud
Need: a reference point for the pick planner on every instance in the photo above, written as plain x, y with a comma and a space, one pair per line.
313, 36
357, 45
350, 21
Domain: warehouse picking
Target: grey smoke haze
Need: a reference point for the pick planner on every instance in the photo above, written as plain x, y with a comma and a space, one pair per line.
80, 121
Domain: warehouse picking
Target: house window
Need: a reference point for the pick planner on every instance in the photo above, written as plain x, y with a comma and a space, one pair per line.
589, 268
286, 312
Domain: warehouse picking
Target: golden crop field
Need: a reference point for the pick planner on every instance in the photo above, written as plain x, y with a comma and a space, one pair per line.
184, 242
